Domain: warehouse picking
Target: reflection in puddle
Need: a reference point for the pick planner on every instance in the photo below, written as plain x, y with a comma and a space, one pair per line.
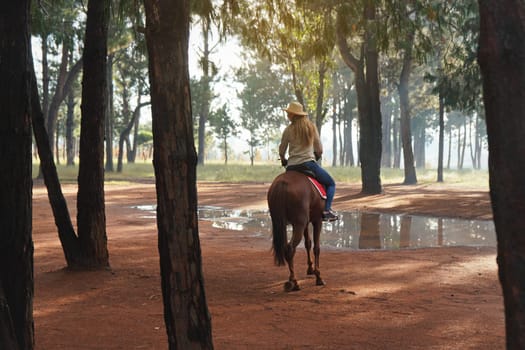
363, 230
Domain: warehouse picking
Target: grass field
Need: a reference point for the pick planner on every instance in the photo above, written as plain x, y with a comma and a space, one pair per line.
266, 172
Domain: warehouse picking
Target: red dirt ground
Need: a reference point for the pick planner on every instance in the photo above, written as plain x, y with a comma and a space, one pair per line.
433, 298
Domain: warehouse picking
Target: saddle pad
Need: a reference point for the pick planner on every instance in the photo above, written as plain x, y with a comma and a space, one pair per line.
320, 188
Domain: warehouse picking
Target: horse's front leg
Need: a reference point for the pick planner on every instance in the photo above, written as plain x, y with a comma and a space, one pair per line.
297, 234
317, 250
308, 247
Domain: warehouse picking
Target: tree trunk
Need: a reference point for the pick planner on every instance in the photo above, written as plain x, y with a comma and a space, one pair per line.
66, 232
441, 145
124, 135
450, 134
501, 58
7, 329
367, 88
132, 154
70, 127
464, 144
419, 145
16, 245
186, 315
386, 113
404, 104
370, 129
108, 125
91, 218
64, 83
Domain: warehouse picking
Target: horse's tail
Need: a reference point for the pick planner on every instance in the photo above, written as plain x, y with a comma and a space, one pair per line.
277, 205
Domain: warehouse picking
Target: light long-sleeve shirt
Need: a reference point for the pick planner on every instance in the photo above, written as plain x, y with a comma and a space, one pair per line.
297, 153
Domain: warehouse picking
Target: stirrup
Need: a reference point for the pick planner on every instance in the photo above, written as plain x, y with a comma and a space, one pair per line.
329, 216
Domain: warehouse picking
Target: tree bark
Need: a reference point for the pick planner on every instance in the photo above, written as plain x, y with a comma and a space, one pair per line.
91, 218
368, 105
7, 329
441, 143
16, 245
370, 131
108, 125
66, 232
501, 57
70, 127
404, 104
186, 315
124, 135
64, 83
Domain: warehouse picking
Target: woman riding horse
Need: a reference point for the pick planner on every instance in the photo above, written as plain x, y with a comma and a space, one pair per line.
292, 198
301, 138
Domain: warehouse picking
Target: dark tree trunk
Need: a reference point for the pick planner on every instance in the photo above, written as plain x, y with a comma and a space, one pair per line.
66, 232
7, 329
109, 116
60, 93
91, 218
441, 144
133, 152
186, 315
70, 127
404, 104
370, 129
367, 88
386, 113
124, 135
16, 245
502, 60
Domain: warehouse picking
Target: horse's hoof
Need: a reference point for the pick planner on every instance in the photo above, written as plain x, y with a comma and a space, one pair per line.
290, 286
310, 271
320, 282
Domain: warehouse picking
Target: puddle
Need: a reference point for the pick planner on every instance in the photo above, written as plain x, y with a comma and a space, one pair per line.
363, 230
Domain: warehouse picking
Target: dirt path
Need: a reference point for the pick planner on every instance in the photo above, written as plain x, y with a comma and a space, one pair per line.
435, 298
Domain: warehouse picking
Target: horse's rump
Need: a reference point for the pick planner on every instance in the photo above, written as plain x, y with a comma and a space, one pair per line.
292, 199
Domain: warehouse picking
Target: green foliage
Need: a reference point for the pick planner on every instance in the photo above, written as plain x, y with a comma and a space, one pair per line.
144, 136
457, 77
263, 96
222, 122
299, 36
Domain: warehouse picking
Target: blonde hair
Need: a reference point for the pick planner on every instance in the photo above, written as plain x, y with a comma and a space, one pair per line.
303, 130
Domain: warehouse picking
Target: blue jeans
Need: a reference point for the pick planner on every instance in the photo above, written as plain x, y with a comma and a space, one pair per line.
324, 178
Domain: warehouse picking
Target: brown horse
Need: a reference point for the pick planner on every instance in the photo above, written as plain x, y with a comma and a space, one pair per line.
292, 199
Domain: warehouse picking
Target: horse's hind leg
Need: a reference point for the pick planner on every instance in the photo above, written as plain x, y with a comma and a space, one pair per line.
317, 250
308, 247
292, 284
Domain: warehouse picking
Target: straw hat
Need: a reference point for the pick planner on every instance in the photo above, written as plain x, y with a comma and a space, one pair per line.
295, 108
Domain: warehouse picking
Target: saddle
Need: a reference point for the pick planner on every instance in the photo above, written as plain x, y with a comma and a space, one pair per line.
311, 176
